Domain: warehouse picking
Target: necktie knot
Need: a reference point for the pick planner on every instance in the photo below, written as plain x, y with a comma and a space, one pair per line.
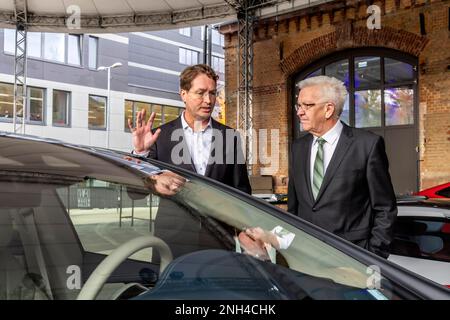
321, 141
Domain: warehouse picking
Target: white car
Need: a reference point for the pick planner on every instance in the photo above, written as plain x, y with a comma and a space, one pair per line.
422, 238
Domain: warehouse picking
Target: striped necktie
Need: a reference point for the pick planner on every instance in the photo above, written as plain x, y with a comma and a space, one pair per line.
318, 168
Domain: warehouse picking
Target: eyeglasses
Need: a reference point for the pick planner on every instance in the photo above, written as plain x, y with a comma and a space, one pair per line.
306, 106
203, 95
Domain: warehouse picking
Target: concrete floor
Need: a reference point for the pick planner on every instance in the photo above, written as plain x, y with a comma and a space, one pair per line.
102, 230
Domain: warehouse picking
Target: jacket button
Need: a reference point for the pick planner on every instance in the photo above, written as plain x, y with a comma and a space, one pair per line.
314, 209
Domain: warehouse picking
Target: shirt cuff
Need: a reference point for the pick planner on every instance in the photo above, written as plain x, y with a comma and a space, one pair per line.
284, 237
143, 154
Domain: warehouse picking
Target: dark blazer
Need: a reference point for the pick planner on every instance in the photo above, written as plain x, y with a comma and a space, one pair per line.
182, 230
356, 200
228, 172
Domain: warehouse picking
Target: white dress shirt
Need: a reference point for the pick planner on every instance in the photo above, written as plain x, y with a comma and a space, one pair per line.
331, 138
199, 144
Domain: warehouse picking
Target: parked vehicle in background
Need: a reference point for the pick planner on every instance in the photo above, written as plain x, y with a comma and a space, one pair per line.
422, 238
440, 191
59, 241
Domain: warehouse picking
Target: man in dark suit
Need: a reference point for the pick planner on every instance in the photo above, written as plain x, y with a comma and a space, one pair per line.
196, 142
338, 175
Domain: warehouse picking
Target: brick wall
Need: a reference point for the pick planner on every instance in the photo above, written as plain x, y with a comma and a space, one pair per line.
285, 45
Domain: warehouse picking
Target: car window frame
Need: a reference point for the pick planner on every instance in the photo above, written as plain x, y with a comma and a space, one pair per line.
444, 192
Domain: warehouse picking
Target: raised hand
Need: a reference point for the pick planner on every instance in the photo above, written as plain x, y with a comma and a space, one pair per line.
260, 234
143, 138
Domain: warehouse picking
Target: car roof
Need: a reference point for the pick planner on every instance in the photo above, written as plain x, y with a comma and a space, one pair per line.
436, 208
50, 156
90, 149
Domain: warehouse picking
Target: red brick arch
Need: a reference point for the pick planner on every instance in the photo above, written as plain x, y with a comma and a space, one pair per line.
346, 37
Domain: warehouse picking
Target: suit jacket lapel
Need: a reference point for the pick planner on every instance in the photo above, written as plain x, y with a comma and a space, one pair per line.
306, 163
345, 140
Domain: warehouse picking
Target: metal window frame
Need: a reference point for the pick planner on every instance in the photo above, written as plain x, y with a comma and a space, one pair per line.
106, 106
181, 31
28, 107
68, 121
97, 43
350, 55
44, 42
80, 49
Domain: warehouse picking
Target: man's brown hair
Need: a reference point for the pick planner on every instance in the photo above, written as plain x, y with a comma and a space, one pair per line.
191, 72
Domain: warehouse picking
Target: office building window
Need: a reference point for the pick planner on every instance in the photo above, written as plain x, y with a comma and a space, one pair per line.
35, 105
381, 87
164, 113
54, 44
217, 38
61, 108
54, 47
157, 109
129, 115
131, 110
7, 101
93, 52
9, 38
97, 112
218, 64
74, 49
188, 57
171, 113
34, 43
185, 31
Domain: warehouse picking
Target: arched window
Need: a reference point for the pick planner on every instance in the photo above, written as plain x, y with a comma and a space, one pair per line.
382, 86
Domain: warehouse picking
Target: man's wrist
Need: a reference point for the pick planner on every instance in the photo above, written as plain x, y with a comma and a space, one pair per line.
141, 152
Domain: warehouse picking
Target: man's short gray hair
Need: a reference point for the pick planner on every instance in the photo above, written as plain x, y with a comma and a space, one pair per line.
332, 90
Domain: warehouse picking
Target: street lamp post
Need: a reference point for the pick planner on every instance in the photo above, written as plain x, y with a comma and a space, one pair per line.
108, 103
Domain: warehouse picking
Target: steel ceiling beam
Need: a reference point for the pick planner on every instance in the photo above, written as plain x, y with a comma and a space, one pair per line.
130, 22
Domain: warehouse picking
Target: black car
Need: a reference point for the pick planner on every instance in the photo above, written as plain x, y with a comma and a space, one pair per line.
89, 223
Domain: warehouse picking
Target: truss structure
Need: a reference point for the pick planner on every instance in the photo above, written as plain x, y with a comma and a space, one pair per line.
20, 67
125, 22
246, 10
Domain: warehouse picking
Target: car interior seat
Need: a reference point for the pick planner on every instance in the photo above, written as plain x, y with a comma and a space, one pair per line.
61, 248
16, 283
20, 270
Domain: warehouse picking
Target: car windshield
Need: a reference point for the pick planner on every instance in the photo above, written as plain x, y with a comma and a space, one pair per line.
63, 210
